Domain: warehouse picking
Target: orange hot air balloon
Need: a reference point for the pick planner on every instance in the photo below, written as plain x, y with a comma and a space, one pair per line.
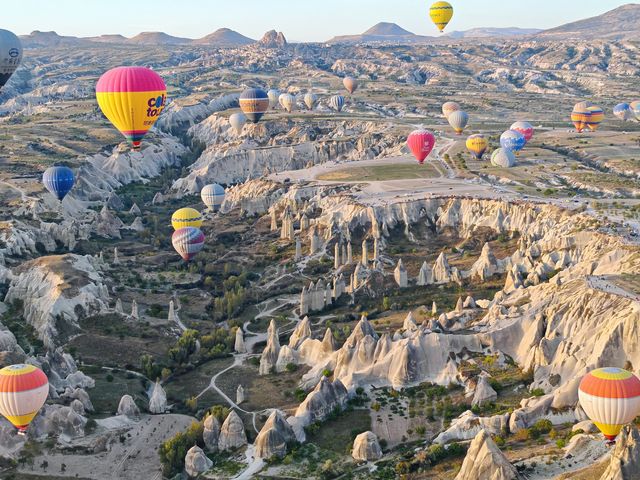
23, 391
611, 398
131, 98
596, 116
351, 84
580, 115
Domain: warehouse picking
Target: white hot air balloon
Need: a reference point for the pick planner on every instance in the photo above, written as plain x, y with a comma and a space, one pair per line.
288, 102
310, 100
237, 121
10, 55
273, 95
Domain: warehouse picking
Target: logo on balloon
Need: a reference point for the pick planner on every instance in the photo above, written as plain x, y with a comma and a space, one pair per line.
156, 104
14, 52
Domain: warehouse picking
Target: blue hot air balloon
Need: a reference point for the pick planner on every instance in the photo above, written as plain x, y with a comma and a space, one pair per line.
512, 140
623, 111
58, 180
212, 196
337, 102
254, 103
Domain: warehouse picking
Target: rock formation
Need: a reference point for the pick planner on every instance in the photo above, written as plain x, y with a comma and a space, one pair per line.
364, 258
232, 434
239, 394
128, 407
239, 345
274, 436
625, 458
400, 275
425, 276
366, 447
135, 210
485, 461
484, 392
269, 356
118, 307
300, 333
134, 310
158, 399
196, 462
273, 39
211, 433
298, 254
321, 401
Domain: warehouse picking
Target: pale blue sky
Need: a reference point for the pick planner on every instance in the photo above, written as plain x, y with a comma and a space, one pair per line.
301, 20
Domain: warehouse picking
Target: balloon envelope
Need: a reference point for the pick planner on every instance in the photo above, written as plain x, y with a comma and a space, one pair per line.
596, 116
580, 115
187, 241
449, 107
458, 120
58, 180
186, 217
10, 55
350, 83
254, 103
441, 14
273, 96
212, 195
525, 128
337, 102
477, 145
512, 140
503, 158
635, 108
23, 391
421, 143
310, 100
237, 121
611, 398
131, 98
623, 111
287, 101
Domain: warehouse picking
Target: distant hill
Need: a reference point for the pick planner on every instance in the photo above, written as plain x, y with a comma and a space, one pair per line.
108, 39
47, 39
158, 38
493, 32
618, 24
224, 37
382, 32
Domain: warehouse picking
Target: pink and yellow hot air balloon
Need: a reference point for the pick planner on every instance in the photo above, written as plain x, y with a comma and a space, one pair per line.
23, 390
131, 98
421, 142
611, 398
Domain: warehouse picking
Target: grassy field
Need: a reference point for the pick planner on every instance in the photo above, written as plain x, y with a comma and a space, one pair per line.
337, 434
375, 173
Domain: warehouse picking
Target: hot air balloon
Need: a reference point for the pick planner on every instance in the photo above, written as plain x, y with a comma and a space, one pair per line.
273, 96
421, 142
458, 120
131, 98
525, 128
254, 103
503, 157
288, 102
596, 116
212, 196
187, 241
580, 115
23, 391
237, 121
477, 145
611, 398
186, 217
623, 111
441, 14
337, 102
351, 84
10, 55
512, 140
635, 108
58, 180
310, 100
449, 107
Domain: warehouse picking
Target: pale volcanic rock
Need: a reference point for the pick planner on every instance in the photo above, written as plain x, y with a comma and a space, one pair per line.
56, 290
274, 436
442, 272
269, 357
468, 425
300, 333
273, 39
232, 434
486, 265
58, 420
535, 408
211, 433
137, 225
425, 276
321, 401
179, 113
239, 345
128, 407
78, 394
366, 447
286, 356
485, 461
484, 392
135, 210
625, 458
239, 395
158, 399
196, 462
469, 303
107, 224
400, 275
409, 323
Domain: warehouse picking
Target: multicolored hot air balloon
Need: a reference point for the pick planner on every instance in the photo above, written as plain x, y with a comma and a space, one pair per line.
449, 107
186, 217
23, 391
254, 103
512, 140
441, 14
273, 96
10, 55
421, 143
580, 115
187, 241
212, 196
237, 121
288, 102
458, 120
58, 180
611, 398
525, 128
351, 84
635, 108
310, 100
623, 111
336, 102
503, 157
131, 98
477, 145
596, 116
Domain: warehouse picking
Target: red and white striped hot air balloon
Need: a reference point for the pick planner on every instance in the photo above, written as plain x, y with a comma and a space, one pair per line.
421, 142
187, 241
611, 398
23, 390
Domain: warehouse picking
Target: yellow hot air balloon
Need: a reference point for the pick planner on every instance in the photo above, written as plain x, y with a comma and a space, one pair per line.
477, 145
186, 217
131, 98
441, 14
23, 391
596, 116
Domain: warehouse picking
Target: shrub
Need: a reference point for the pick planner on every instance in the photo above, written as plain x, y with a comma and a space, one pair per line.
537, 392
561, 443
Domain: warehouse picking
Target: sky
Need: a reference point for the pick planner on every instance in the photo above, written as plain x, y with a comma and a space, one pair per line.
299, 20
